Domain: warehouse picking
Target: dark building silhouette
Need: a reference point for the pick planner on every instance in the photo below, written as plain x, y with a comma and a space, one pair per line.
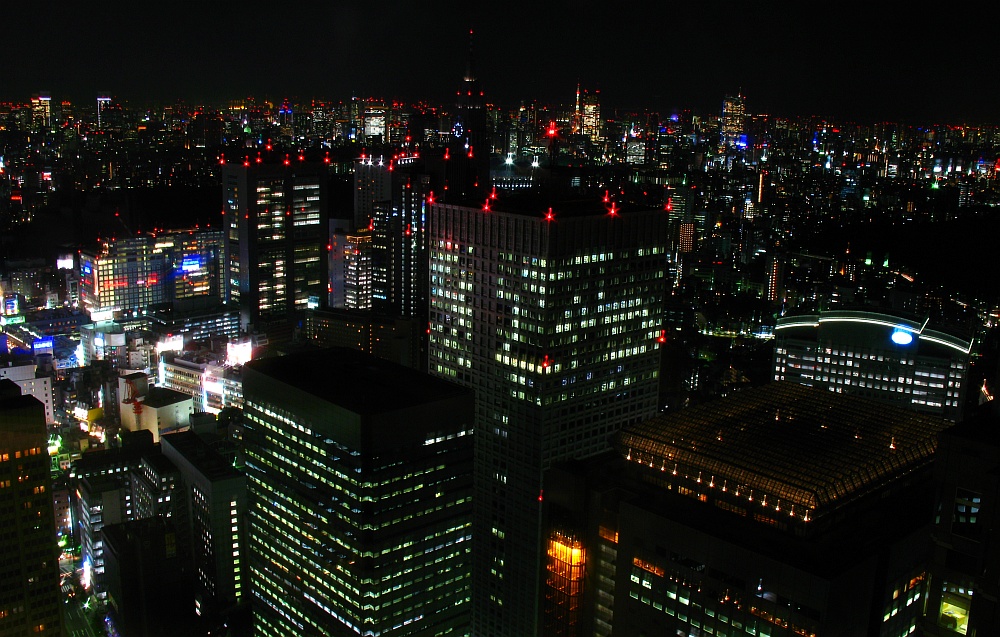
214, 500
149, 583
30, 602
964, 566
467, 160
780, 510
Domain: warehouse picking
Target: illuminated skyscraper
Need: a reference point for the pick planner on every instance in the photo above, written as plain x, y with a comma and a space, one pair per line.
590, 115
554, 318
351, 270
733, 114
389, 196
372, 185
102, 102
276, 237
41, 111
29, 578
399, 244
359, 476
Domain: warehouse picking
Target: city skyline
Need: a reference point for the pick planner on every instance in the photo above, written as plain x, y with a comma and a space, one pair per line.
876, 65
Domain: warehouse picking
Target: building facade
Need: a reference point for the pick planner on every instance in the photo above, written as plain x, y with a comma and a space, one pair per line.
882, 356
123, 276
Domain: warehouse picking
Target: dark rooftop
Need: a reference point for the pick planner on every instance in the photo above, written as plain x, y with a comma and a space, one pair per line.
162, 396
200, 454
354, 380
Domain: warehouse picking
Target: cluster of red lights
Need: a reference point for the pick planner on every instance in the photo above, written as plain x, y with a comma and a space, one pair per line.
287, 161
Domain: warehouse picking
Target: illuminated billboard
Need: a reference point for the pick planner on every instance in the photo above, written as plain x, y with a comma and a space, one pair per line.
239, 353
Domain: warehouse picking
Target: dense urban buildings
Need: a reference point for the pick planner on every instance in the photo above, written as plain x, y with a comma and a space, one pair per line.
593, 288
359, 478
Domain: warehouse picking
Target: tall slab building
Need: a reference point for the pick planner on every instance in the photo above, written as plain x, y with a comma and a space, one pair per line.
553, 316
277, 230
30, 601
359, 478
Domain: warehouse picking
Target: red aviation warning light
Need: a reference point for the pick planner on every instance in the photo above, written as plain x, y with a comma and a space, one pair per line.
430, 197
222, 159
288, 162
552, 129
550, 216
662, 338
613, 211
545, 362
607, 198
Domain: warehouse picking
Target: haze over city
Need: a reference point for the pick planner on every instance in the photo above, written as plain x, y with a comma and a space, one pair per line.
868, 61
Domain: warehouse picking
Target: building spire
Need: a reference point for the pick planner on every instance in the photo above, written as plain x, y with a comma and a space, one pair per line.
470, 69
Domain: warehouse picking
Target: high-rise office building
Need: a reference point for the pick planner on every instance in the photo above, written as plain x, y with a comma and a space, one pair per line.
30, 600
888, 357
372, 186
193, 266
351, 270
359, 476
41, 111
123, 275
553, 316
276, 238
215, 498
399, 243
733, 116
587, 114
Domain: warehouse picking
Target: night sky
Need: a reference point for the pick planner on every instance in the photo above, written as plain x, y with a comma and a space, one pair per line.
867, 61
